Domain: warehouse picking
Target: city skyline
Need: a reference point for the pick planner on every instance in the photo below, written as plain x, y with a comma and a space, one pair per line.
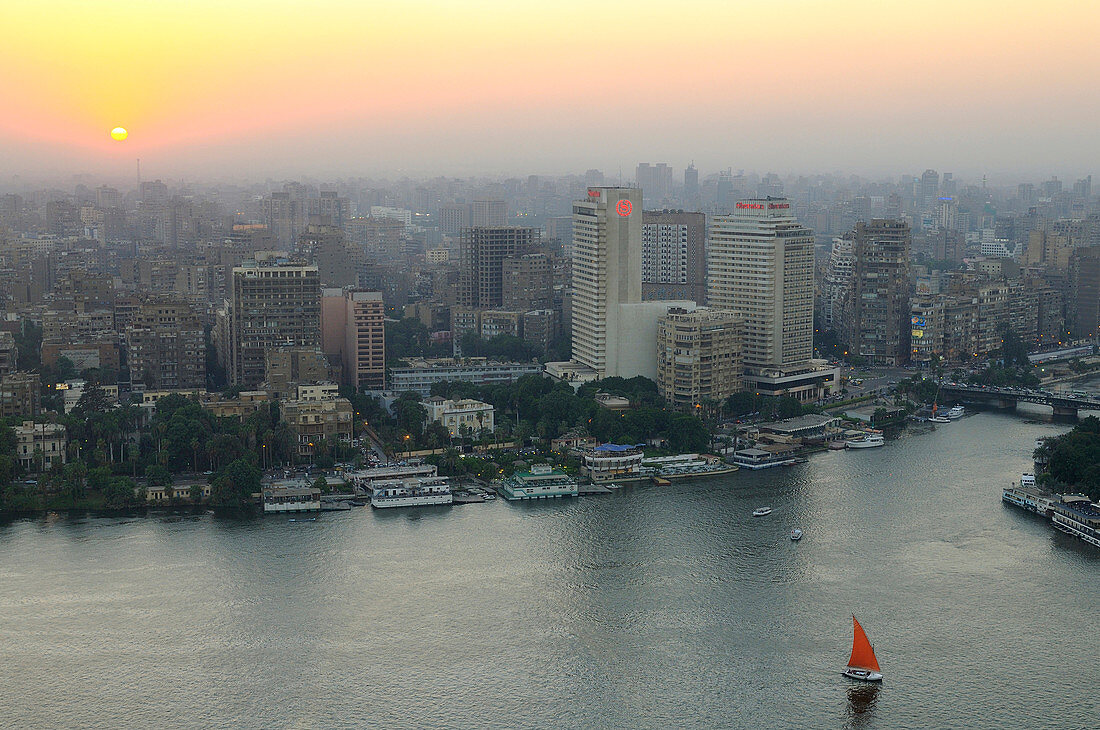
426, 88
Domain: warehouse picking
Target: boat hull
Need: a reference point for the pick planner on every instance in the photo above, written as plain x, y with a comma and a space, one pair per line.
862, 675
865, 444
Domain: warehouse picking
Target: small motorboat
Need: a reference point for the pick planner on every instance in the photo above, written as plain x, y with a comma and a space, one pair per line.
862, 665
796, 534
761, 511
939, 419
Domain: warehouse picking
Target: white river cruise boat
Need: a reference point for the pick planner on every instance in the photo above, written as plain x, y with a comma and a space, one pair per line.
956, 412
416, 492
1026, 495
1076, 515
869, 441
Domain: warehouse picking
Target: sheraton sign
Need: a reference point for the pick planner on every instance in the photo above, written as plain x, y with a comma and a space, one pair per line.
762, 206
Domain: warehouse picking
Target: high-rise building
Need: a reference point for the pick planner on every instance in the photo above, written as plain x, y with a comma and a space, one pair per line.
453, 217
273, 304
378, 237
760, 265
614, 332
674, 262
353, 334
691, 182
486, 213
698, 356
877, 315
607, 271
1085, 287
166, 346
654, 180
483, 250
326, 245
285, 216
527, 282
929, 188
834, 289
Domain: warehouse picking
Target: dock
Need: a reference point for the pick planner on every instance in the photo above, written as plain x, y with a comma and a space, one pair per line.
585, 489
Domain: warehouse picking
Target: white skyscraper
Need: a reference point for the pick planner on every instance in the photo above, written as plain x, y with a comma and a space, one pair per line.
614, 331
607, 271
760, 264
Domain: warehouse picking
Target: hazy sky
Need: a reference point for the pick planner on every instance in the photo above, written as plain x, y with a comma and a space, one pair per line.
329, 87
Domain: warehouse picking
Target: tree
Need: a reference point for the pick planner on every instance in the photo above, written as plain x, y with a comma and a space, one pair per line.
120, 493
158, 476
92, 400
687, 434
235, 484
410, 412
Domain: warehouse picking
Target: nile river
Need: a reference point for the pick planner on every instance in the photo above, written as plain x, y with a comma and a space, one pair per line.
649, 608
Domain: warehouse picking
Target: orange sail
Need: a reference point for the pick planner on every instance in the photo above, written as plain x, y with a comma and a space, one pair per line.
863, 656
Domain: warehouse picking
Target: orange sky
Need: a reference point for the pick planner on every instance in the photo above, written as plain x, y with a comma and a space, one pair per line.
352, 86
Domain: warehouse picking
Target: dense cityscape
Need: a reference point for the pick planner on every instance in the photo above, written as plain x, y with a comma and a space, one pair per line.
158, 334
508, 365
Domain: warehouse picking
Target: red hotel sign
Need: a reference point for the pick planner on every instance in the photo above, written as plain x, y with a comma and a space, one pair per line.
593, 193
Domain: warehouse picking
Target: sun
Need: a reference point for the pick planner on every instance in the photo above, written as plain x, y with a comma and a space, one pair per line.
119, 133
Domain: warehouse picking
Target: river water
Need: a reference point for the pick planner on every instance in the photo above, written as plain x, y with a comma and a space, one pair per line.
654, 607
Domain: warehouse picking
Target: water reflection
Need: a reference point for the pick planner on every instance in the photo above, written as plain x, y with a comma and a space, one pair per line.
862, 699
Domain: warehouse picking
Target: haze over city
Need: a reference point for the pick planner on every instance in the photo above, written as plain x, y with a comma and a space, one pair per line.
250, 89
485, 364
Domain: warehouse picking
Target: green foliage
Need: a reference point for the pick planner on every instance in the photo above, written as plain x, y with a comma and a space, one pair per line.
99, 478
29, 344
1014, 351
158, 476
120, 493
409, 337
1074, 458
998, 376
500, 347
66, 369
769, 407
410, 413
919, 389
687, 434
92, 400
234, 486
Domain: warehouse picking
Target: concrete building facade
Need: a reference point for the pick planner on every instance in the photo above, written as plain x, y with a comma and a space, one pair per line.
698, 356
273, 304
674, 262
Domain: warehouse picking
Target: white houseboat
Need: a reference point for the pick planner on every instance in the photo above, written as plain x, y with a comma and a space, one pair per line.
291, 498
413, 492
754, 458
541, 482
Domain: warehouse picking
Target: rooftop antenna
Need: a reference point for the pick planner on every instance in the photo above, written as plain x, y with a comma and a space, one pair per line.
139, 173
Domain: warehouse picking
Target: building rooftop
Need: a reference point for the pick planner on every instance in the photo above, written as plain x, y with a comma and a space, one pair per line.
808, 422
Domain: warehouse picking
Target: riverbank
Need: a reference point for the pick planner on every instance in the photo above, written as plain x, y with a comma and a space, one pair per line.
670, 607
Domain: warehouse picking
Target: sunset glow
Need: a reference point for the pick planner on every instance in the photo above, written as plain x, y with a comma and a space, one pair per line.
337, 80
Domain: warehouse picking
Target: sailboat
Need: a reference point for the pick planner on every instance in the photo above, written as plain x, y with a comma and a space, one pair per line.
936, 418
862, 665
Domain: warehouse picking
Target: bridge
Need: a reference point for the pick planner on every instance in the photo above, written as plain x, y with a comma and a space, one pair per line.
1064, 404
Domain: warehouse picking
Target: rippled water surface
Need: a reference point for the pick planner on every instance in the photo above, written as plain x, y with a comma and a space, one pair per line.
654, 607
